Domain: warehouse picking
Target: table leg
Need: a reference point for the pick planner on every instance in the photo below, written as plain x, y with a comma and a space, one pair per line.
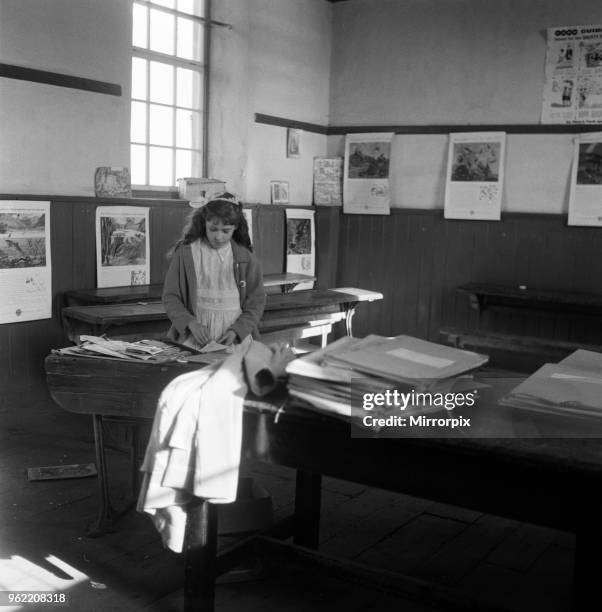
308, 491
201, 551
106, 513
587, 589
349, 312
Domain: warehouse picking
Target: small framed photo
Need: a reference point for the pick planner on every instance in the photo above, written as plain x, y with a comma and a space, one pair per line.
293, 143
279, 192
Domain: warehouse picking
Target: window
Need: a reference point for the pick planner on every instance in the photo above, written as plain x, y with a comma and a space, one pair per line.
168, 81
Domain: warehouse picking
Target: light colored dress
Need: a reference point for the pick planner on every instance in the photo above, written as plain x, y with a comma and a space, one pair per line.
218, 298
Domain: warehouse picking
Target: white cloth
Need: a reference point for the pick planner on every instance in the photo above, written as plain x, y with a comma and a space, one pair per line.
218, 298
194, 448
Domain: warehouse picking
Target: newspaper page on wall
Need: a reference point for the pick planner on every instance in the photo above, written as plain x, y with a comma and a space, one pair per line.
122, 246
366, 178
328, 181
25, 268
300, 244
475, 175
585, 199
573, 75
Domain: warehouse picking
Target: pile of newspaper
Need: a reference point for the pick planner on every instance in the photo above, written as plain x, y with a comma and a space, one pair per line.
340, 378
572, 387
152, 351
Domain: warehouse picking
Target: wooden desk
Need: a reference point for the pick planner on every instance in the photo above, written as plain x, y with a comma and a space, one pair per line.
553, 482
152, 293
311, 312
483, 295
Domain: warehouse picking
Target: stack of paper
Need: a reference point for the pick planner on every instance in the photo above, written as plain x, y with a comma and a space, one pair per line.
338, 378
571, 387
141, 350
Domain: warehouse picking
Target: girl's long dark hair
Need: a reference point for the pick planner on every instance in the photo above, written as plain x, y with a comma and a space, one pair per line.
224, 207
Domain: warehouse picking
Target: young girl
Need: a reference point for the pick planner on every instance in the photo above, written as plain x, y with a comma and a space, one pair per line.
214, 287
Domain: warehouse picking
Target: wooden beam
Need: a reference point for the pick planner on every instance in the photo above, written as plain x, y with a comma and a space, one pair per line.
61, 80
291, 123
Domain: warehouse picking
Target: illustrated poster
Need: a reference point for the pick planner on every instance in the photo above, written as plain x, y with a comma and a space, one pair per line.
475, 175
328, 181
122, 246
25, 268
248, 213
573, 75
585, 198
366, 179
300, 244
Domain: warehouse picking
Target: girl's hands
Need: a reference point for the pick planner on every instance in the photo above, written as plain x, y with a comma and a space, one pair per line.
228, 338
199, 332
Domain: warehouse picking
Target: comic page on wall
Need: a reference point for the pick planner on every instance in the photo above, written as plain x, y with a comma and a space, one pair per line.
328, 181
585, 198
122, 246
366, 187
573, 75
25, 268
301, 244
475, 175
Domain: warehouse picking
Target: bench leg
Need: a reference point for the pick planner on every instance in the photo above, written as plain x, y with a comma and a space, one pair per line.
201, 551
308, 491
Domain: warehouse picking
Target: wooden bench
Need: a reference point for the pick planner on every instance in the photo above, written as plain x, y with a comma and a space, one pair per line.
514, 352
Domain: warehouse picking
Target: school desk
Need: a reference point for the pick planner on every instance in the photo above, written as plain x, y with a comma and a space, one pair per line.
549, 481
296, 314
152, 293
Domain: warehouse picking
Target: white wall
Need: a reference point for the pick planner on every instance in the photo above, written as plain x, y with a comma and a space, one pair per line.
53, 138
275, 61
453, 62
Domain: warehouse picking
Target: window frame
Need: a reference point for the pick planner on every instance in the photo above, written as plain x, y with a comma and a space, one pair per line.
201, 67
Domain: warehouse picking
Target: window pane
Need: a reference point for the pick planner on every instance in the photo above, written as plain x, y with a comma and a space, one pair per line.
161, 125
166, 3
138, 122
138, 163
162, 32
192, 7
139, 30
183, 164
161, 83
139, 78
160, 166
188, 163
188, 88
188, 129
190, 39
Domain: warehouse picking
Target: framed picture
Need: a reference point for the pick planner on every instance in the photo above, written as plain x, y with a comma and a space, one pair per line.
293, 143
279, 192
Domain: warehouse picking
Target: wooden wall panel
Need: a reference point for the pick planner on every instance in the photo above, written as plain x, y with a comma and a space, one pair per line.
418, 258
23, 346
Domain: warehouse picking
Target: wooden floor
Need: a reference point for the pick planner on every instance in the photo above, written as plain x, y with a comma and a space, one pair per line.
450, 558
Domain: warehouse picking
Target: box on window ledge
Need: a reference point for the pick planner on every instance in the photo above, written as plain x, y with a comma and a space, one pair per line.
199, 190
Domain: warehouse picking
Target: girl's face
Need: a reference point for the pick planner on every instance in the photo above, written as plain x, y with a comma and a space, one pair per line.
218, 233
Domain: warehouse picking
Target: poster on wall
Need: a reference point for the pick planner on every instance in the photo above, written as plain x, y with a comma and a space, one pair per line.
585, 198
122, 246
25, 267
366, 179
300, 244
328, 181
573, 75
248, 214
475, 175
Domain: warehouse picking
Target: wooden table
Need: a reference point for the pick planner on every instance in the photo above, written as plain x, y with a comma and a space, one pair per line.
152, 293
300, 313
552, 482
484, 295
